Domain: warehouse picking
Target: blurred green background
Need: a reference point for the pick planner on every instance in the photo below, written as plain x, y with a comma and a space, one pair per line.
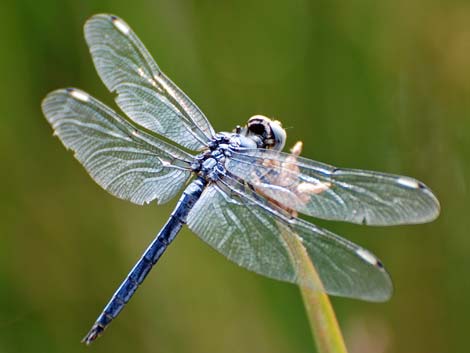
381, 85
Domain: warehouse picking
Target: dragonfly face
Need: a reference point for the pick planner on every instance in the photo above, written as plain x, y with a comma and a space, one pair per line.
246, 193
268, 133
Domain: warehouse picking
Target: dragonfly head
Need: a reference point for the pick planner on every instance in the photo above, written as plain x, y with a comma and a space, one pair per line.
265, 132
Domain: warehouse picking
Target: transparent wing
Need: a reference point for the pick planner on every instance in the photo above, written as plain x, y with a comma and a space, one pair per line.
145, 94
251, 233
126, 162
323, 191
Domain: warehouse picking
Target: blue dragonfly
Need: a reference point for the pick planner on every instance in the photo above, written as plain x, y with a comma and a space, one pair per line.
245, 193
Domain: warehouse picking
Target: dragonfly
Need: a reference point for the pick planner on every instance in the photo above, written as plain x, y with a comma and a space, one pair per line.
243, 194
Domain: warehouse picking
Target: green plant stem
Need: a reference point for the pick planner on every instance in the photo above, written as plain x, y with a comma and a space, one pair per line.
323, 323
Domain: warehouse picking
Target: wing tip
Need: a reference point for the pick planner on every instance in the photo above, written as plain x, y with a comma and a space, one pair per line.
49, 101
437, 205
116, 21
52, 98
103, 15
433, 204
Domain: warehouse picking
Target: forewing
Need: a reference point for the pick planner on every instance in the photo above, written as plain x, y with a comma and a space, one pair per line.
145, 94
128, 163
251, 233
323, 191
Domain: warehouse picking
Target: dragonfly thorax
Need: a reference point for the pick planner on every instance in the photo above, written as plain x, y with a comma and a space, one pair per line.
210, 163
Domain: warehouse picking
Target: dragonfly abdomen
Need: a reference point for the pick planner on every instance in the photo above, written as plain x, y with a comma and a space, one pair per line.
153, 253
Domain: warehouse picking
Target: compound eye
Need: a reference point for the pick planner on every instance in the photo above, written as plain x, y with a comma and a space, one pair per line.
258, 125
279, 135
270, 133
257, 129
